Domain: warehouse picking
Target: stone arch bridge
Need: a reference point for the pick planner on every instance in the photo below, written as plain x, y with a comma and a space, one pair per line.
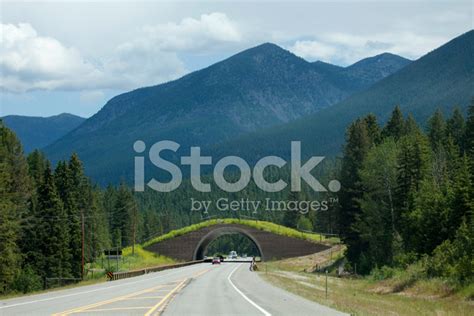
193, 245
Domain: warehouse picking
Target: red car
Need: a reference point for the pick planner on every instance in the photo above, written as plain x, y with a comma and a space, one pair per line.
216, 260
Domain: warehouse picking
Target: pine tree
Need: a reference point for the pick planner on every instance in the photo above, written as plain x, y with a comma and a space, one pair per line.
411, 127
455, 128
36, 166
376, 224
437, 131
14, 195
357, 146
395, 126
462, 202
96, 225
52, 231
427, 220
373, 129
71, 197
122, 223
469, 136
413, 166
151, 224
291, 217
9, 230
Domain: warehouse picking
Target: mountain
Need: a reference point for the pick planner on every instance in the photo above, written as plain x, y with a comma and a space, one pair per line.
443, 78
373, 69
38, 132
260, 87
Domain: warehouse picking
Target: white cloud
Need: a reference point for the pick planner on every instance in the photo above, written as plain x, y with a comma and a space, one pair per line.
346, 48
313, 50
194, 34
29, 61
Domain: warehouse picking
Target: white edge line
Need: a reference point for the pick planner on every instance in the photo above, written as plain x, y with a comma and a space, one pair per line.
264, 312
91, 291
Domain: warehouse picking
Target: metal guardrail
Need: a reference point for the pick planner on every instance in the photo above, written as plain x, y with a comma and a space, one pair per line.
129, 274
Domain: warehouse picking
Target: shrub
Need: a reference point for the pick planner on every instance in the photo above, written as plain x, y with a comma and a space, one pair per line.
454, 259
379, 274
404, 278
304, 224
27, 281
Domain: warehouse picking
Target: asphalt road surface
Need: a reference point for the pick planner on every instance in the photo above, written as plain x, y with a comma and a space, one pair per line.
202, 289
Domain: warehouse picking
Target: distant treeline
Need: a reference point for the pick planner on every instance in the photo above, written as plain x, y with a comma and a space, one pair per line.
408, 196
42, 210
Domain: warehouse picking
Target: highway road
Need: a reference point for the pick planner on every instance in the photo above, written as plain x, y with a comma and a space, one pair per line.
202, 289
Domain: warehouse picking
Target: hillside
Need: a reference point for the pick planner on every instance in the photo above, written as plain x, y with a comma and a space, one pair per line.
261, 87
38, 132
441, 79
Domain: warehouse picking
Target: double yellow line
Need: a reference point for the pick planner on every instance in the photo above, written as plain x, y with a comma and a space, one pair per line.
113, 300
152, 310
176, 289
164, 299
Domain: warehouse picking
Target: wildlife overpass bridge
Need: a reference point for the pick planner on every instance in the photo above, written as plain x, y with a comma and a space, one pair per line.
193, 245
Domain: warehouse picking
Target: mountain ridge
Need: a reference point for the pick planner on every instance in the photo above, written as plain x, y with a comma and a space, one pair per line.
442, 79
36, 132
257, 88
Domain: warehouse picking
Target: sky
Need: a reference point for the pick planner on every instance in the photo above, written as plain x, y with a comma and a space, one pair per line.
73, 56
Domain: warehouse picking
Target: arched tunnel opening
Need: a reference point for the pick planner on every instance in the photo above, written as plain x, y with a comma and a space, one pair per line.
221, 242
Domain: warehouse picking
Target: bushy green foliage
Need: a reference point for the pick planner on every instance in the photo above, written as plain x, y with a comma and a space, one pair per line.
15, 191
41, 214
304, 223
383, 273
454, 259
414, 214
27, 281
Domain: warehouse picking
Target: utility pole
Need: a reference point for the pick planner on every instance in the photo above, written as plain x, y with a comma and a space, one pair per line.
134, 228
82, 259
326, 284
116, 258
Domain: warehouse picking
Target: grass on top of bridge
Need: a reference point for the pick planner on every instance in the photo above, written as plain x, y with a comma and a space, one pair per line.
261, 225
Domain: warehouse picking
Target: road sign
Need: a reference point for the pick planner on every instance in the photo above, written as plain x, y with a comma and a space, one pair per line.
113, 252
110, 275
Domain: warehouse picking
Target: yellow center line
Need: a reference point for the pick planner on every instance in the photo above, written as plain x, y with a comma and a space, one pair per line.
161, 290
117, 309
132, 296
201, 273
83, 308
177, 288
154, 308
142, 298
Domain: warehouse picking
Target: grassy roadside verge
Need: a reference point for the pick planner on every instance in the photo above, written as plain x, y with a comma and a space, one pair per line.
96, 271
362, 296
141, 259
